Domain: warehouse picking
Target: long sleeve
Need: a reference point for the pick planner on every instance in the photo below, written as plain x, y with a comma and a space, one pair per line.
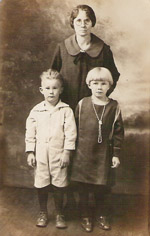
110, 64
118, 135
77, 113
56, 60
30, 135
70, 130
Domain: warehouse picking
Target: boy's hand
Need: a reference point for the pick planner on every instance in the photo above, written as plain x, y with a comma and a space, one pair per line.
31, 159
115, 162
65, 160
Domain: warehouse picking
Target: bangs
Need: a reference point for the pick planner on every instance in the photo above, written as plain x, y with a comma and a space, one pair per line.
99, 74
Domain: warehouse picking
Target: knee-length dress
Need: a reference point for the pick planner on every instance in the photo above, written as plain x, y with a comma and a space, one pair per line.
92, 161
74, 64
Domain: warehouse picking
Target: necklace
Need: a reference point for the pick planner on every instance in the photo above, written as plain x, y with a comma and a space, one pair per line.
99, 123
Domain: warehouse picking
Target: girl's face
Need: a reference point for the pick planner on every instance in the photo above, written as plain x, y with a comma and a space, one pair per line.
82, 24
99, 88
51, 89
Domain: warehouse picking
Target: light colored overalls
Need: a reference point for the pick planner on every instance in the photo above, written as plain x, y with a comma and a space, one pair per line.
48, 134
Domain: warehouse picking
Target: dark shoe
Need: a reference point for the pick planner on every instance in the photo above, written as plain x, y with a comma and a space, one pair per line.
86, 224
60, 222
42, 219
103, 222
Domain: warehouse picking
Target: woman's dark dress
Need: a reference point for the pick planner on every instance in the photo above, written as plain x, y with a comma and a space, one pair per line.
93, 160
75, 64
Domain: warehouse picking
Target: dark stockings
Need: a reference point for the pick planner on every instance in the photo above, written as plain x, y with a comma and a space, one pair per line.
43, 197
84, 198
58, 199
102, 206
101, 201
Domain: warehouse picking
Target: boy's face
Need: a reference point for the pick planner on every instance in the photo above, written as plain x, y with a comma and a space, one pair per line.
51, 89
99, 88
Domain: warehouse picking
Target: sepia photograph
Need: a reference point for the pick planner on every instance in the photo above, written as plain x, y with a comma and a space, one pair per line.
74, 117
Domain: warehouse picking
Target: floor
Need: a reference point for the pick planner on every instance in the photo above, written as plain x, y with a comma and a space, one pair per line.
19, 209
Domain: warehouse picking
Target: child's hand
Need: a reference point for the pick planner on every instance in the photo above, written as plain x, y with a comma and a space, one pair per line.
31, 159
115, 162
65, 160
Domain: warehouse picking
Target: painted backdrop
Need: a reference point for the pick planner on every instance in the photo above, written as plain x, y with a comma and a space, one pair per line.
30, 30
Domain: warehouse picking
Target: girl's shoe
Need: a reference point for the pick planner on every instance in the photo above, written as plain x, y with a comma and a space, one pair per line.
103, 222
86, 224
42, 219
60, 222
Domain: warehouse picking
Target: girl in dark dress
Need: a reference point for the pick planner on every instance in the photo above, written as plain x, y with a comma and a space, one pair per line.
79, 53
100, 135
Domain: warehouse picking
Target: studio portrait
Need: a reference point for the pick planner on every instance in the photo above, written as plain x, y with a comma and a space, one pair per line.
74, 117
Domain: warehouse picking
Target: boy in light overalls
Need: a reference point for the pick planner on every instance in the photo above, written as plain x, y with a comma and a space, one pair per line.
50, 137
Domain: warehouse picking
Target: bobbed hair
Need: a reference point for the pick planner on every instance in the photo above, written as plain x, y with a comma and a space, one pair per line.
52, 74
89, 12
99, 74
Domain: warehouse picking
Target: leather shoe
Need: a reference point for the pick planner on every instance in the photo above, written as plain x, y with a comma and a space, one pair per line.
103, 222
42, 219
60, 222
86, 224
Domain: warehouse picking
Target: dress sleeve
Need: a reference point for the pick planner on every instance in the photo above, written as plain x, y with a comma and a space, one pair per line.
118, 134
70, 130
77, 112
30, 135
56, 63
110, 64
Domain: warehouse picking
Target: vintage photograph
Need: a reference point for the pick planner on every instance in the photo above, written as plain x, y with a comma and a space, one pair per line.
74, 117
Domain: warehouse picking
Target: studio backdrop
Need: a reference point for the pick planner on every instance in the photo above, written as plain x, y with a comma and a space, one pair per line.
30, 30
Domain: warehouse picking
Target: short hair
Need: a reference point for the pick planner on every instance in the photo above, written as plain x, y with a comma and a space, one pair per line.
52, 74
99, 73
89, 12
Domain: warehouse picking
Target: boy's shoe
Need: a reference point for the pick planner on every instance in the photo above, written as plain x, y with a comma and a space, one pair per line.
42, 219
86, 224
60, 222
103, 222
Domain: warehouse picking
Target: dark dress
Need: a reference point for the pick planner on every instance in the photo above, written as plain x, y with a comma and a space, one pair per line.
92, 161
74, 65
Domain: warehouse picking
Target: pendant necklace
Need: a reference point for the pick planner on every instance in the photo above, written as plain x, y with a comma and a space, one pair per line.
99, 123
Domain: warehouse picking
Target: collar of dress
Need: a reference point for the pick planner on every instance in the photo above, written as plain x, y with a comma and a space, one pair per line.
73, 48
42, 106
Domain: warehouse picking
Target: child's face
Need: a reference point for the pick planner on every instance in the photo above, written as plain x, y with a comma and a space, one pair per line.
99, 88
51, 89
